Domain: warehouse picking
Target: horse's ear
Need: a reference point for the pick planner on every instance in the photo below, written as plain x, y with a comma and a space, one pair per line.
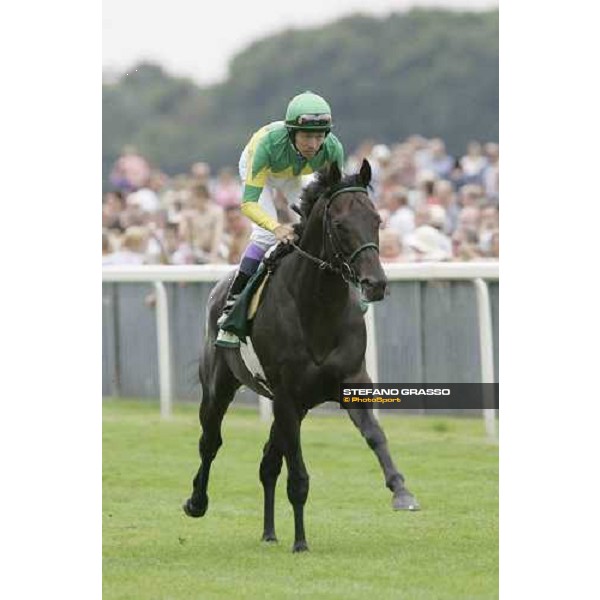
334, 175
365, 172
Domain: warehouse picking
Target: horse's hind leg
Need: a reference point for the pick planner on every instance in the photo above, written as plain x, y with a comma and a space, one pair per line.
270, 467
218, 390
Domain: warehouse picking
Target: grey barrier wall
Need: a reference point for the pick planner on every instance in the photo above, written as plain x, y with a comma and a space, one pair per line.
426, 332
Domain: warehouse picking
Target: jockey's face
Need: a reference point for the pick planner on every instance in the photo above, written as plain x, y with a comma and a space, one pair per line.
309, 142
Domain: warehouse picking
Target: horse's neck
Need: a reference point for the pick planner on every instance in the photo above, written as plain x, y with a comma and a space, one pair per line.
322, 299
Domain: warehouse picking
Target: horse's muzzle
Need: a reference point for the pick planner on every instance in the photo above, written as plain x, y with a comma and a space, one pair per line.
373, 289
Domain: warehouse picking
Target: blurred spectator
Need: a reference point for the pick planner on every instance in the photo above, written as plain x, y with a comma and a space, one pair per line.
237, 234
397, 215
200, 172
419, 147
488, 225
130, 172
355, 159
437, 219
422, 215
439, 162
106, 247
423, 192
390, 247
177, 197
468, 219
228, 191
495, 245
132, 250
112, 210
201, 226
134, 213
175, 250
402, 166
465, 245
379, 159
443, 193
146, 199
471, 195
155, 251
473, 163
491, 174
428, 244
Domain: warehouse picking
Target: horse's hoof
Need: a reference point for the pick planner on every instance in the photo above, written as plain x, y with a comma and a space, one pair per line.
404, 500
195, 510
269, 537
301, 546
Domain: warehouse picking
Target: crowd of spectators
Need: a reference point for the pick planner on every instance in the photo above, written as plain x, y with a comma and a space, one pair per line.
434, 207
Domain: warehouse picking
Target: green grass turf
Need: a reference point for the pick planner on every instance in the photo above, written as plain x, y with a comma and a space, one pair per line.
359, 547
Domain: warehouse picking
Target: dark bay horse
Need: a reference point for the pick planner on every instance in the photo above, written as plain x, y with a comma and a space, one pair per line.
309, 334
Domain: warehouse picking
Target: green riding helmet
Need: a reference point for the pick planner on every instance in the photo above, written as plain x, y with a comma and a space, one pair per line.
308, 112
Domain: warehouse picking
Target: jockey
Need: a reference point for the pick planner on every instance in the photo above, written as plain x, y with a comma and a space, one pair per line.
276, 158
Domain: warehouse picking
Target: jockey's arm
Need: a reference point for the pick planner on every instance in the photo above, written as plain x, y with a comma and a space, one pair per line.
258, 215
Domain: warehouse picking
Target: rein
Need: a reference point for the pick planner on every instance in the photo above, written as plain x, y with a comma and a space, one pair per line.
340, 264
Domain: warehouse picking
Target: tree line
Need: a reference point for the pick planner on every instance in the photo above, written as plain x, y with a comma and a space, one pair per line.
431, 72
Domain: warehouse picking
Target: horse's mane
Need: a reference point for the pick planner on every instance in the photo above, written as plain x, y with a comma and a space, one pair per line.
322, 185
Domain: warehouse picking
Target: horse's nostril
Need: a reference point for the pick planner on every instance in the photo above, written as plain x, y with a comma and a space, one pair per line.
373, 283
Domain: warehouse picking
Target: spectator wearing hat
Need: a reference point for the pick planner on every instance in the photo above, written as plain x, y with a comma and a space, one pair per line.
134, 214
428, 245
437, 219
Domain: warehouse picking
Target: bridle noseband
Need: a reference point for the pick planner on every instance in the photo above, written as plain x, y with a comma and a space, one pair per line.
340, 264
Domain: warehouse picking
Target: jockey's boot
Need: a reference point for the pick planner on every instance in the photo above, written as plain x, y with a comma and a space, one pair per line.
226, 338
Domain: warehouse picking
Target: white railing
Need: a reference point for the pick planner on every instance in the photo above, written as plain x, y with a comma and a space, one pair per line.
477, 272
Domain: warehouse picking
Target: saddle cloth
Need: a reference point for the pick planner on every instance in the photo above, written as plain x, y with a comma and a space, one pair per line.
240, 318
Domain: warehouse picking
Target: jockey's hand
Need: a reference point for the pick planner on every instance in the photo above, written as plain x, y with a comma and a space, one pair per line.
284, 233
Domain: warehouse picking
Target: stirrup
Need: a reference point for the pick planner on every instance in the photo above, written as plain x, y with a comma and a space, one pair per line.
226, 339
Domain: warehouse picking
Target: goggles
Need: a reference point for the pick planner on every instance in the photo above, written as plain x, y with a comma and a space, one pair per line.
314, 120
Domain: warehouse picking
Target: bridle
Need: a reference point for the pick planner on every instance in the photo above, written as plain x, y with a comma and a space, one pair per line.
340, 264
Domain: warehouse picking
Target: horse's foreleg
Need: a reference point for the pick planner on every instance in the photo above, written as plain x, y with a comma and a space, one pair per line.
270, 467
217, 393
367, 424
287, 423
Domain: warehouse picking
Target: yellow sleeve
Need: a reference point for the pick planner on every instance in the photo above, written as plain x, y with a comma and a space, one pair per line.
259, 215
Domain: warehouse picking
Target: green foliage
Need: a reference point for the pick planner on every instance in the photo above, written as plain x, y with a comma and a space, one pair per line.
431, 72
359, 547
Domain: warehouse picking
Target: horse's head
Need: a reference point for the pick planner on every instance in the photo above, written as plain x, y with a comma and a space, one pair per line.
350, 227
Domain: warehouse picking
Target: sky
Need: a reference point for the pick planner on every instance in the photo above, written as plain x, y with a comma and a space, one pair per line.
197, 38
